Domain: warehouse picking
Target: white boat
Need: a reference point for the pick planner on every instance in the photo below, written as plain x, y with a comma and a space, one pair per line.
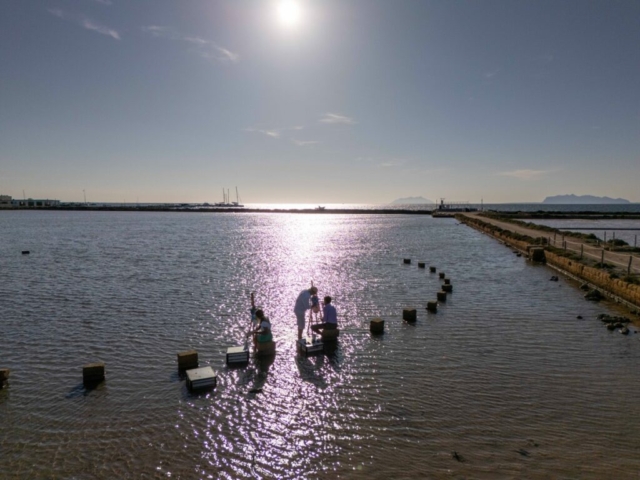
225, 200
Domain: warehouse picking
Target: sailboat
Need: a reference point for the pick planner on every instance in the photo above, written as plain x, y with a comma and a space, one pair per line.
225, 200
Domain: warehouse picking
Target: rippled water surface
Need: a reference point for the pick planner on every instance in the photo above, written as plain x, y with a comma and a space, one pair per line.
505, 374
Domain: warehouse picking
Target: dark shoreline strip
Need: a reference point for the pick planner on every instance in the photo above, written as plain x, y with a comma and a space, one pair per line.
378, 211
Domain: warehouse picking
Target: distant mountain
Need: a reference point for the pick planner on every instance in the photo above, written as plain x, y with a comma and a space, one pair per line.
583, 200
410, 201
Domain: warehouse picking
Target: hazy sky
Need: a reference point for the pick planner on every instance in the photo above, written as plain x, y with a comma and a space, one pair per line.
319, 101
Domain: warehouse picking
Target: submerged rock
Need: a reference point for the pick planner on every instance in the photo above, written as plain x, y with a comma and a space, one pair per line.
603, 317
584, 287
594, 295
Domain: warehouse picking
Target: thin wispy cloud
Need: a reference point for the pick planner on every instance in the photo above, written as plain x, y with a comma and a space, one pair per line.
103, 2
206, 48
305, 143
526, 174
85, 22
277, 133
395, 162
268, 133
490, 74
334, 118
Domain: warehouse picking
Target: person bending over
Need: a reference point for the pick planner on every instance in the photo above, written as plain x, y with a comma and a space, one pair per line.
329, 317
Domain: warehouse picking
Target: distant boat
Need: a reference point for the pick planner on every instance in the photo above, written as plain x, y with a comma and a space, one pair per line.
320, 208
225, 200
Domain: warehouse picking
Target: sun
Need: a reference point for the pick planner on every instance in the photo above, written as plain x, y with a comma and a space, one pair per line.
289, 13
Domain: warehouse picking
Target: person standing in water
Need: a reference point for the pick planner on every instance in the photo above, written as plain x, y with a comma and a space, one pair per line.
303, 303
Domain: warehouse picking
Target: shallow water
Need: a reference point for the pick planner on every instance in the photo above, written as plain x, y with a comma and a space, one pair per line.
504, 374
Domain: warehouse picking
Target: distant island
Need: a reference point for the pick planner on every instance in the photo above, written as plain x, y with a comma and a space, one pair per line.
411, 201
583, 200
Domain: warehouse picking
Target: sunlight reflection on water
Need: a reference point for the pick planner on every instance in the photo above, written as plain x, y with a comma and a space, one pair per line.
503, 365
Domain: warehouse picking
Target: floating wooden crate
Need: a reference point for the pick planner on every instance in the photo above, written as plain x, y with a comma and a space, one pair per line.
311, 346
421, 264
237, 355
201, 378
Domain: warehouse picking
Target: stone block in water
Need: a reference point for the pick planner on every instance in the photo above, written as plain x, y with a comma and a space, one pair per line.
376, 326
237, 355
187, 360
4, 374
310, 346
447, 288
93, 372
442, 275
432, 306
407, 261
442, 296
432, 269
201, 378
421, 264
447, 281
409, 314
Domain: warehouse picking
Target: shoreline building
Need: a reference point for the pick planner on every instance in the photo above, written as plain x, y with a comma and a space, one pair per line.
5, 201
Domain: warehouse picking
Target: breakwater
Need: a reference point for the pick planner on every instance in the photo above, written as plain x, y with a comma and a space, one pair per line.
620, 289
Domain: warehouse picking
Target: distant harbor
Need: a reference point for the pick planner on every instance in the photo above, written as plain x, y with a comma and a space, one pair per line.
449, 209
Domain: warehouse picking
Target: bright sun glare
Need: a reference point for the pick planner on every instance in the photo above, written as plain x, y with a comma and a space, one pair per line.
289, 13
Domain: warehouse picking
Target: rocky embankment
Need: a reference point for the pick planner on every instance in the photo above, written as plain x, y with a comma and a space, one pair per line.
538, 250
